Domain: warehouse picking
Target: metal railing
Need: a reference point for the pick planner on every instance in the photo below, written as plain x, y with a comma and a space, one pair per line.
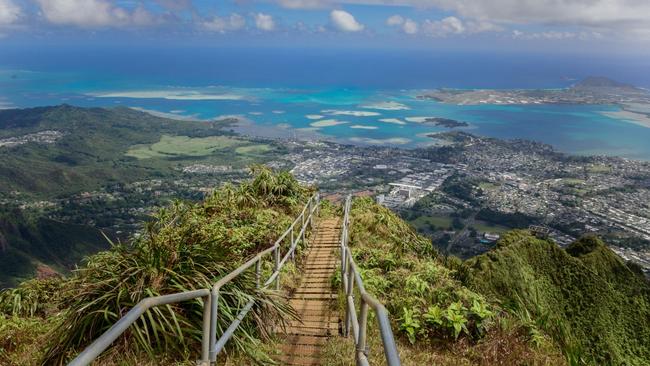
350, 278
210, 345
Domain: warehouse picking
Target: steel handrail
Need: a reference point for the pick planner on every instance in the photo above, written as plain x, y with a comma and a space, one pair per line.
210, 346
350, 276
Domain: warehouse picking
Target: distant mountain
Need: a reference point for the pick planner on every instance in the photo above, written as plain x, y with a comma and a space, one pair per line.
596, 306
601, 82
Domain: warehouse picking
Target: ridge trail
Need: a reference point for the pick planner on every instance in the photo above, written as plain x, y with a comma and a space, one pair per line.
313, 300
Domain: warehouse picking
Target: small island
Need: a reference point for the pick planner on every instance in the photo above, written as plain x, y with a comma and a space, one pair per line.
446, 122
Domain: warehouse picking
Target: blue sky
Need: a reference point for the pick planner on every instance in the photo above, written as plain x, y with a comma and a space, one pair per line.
599, 26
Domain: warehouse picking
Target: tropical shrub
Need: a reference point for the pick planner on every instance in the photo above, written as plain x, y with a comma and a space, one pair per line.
407, 274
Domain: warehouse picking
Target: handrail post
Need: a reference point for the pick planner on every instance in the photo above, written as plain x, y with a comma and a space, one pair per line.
361, 347
205, 340
214, 302
277, 267
349, 298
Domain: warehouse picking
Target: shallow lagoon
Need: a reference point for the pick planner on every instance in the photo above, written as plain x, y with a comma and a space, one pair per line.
359, 116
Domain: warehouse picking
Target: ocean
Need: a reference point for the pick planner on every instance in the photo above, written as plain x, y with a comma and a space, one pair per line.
351, 96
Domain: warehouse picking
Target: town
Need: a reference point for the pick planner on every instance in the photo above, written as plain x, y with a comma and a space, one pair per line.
462, 194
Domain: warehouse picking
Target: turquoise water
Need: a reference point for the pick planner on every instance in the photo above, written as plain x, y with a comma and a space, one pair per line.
351, 115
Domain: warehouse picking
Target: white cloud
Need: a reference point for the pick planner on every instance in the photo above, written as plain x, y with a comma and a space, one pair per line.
394, 20
225, 24
450, 26
345, 22
93, 13
264, 22
9, 12
630, 16
410, 26
443, 27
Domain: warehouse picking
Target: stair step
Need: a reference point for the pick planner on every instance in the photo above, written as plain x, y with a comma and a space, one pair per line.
324, 288
317, 296
326, 317
322, 332
297, 361
304, 340
300, 349
314, 325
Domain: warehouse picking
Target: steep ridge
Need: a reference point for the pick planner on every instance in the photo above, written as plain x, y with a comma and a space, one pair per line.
592, 303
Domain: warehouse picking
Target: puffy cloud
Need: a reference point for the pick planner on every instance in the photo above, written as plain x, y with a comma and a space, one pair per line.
454, 26
443, 27
394, 20
93, 13
408, 26
264, 22
9, 12
225, 24
345, 22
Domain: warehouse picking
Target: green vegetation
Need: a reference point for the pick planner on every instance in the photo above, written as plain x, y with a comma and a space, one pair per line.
253, 149
599, 168
29, 244
595, 306
173, 146
423, 223
437, 319
187, 246
104, 146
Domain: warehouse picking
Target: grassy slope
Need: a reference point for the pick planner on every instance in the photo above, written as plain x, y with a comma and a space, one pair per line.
590, 301
406, 274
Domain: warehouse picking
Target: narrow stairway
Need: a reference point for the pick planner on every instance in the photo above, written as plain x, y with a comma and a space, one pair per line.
313, 300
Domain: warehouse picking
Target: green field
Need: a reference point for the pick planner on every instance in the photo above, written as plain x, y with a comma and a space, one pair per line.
253, 149
173, 146
424, 222
487, 186
573, 181
599, 168
483, 226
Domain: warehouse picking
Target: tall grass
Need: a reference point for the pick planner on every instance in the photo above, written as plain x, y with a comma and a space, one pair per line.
185, 247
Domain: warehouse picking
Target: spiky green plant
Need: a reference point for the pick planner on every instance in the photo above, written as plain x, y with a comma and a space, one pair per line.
186, 247
403, 269
32, 298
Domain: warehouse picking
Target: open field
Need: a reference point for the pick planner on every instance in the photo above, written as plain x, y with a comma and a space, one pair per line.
253, 149
173, 146
424, 222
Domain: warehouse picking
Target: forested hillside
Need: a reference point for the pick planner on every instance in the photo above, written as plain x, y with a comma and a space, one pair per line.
37, 246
